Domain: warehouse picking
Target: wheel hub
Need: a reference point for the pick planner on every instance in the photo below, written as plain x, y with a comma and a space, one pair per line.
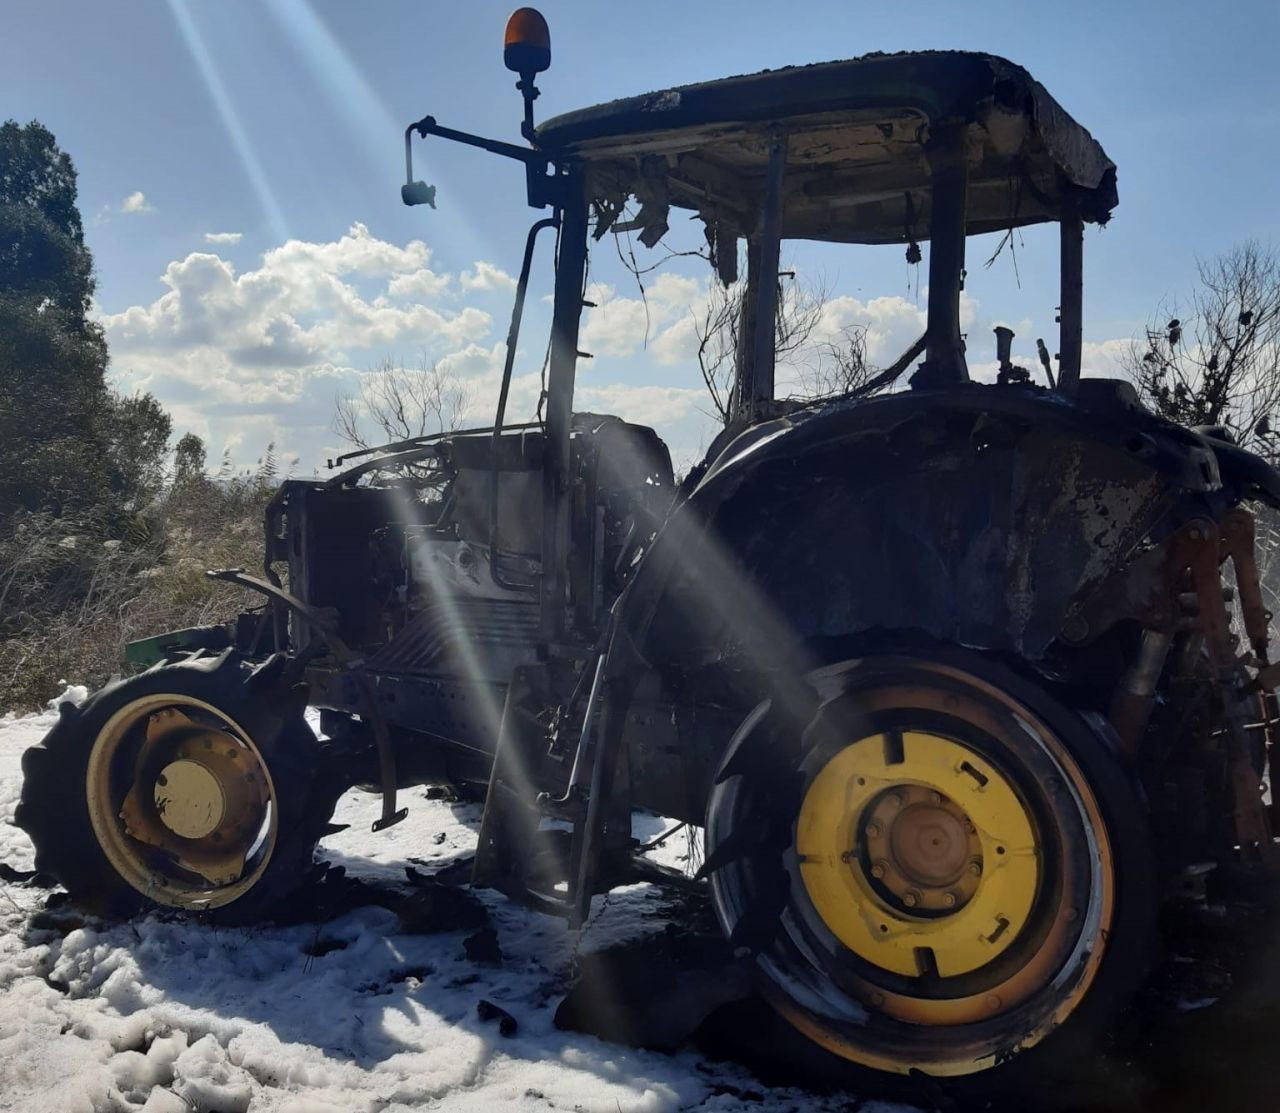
917, 854
189, 799
923, 850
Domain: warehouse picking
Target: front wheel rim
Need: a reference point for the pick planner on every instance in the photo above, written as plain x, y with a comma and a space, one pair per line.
181, 802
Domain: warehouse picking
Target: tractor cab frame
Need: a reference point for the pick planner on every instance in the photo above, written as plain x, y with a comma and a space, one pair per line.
884, 149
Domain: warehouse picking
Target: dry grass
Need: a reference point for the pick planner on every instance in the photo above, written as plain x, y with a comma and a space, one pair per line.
71, 595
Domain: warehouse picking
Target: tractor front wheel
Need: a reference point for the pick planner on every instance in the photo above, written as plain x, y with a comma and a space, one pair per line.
195, 786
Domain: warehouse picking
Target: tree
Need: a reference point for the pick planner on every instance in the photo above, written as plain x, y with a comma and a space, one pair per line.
189, 460
67, 442
137, 438
1218, 362
826, 366
42, 250
401, 403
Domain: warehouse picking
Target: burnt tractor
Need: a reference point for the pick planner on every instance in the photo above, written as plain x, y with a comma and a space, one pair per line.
959, 679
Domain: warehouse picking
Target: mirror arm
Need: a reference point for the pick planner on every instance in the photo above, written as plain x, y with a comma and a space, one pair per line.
544, 189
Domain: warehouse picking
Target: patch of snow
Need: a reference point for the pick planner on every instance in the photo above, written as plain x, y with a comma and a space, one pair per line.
165, 1015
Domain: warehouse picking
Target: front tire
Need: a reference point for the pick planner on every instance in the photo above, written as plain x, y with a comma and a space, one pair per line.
938, 871
195, 786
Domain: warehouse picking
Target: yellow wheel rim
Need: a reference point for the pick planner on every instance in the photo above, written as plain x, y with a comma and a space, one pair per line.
181, 802
918, 855
952, 882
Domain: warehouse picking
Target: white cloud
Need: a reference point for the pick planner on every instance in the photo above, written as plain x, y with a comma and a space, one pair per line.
305, 301
1104, 358
223, 237
645, 405
422, 284
672, 294
256, 356
264, 352
661, 320
892, 324
677, 344
485, 276
137, 202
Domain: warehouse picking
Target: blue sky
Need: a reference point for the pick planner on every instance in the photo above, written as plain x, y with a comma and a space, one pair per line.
280, 121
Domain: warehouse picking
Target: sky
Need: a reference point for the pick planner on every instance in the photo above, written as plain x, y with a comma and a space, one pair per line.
240, 166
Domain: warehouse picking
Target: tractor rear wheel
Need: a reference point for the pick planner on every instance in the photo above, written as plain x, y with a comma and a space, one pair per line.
940, 869
195, 786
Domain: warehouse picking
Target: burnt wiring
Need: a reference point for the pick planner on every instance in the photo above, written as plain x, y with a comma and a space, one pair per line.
629, 261
1013, 234
632, 266
913, 255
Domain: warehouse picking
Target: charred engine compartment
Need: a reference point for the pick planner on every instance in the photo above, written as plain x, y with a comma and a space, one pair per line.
426, 560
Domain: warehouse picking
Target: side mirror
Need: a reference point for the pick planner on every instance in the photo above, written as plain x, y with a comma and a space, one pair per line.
418, 193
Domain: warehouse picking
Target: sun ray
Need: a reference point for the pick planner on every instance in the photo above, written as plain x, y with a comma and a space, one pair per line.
371, 125
230, 118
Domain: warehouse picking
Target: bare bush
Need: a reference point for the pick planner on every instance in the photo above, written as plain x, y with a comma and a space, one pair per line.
719, 331
837, 366
1218, 363
401, 403
826, 366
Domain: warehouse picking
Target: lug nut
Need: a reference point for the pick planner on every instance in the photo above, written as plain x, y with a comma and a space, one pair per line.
993, 1002
894, 799
949, 899
935, 798
873, 830
975, 868
910, 898
877, 870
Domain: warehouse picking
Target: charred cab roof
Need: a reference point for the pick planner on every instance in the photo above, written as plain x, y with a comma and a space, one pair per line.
856, 165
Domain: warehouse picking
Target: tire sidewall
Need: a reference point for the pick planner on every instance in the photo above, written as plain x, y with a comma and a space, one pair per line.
54, 806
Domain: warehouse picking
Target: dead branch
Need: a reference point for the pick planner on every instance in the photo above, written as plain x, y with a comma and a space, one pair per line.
398, 403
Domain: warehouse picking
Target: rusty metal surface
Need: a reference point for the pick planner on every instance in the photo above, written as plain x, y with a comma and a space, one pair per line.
857, 132
1238, 533
985, 517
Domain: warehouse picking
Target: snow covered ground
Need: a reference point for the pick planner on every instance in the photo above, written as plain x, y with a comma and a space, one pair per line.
354, 1015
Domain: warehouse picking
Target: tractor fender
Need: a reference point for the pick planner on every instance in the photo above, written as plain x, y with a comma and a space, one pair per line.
978, 516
